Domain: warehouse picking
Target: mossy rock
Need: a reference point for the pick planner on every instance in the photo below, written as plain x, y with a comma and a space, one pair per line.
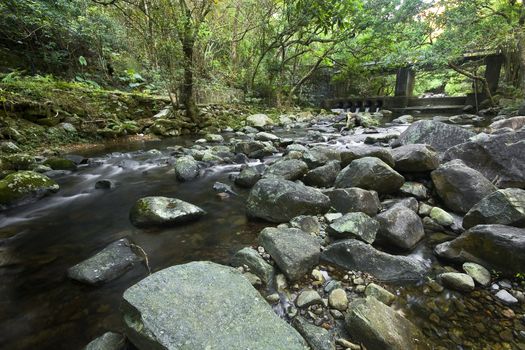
57, 163
24, 186
18, 161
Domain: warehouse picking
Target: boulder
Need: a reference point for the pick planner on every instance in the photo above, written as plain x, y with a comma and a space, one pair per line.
320, 155
307, 223
186, 168
354, 225
478, 273
266, 136
290, 169
500, 158
370, 173
323, 176
255, 149
404, 119
110, 263
439, 135
23, 187
294, 251
355, 255
505, 207
308, 298
410, 203
278, 200
459, 186
380, 293
247, 177
515, 123
377, 326
400, 227
496, 247
57, 163
108, 341
414, 189
161, 211
216, 138
253, 260
351, 153
353, 199
203, 305
415, 158
506, 298
441, 217
317, 337
258, 120
457, 281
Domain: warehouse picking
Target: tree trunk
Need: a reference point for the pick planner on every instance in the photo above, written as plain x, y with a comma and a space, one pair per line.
521, 56
187, 91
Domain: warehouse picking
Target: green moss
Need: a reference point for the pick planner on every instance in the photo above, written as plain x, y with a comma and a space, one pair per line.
23, 185
57, 163
17, 161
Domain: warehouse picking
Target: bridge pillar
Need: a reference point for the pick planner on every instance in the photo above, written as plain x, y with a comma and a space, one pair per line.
405, 80
493, 71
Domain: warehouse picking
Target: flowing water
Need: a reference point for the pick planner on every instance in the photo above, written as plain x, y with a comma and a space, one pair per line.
40, 308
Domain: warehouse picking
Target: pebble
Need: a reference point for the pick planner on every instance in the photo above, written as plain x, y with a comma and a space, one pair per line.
273, 298
348, 345
317, 275
338, 300
280, 282
308, 298
506, 298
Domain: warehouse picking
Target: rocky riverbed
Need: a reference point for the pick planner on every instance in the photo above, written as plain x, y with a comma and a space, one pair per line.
329, 231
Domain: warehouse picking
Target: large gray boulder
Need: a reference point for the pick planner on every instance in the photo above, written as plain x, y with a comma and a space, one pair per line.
289, 169
400, 227
162, 211
186, 168
107, 341
323, 176
439, 135
203, 305
352, 254
110, 263
23, 187
379, 327
505, 207
253, 260
370, 173
459, 186
496, 247
351, 153
353, 199
294, 251
254, 149
354, 225
415, 158
501, 158
278, 200
248, 177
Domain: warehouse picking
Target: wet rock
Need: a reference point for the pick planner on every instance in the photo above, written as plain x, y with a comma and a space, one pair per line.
248, 177
18, 161
258, 120
457, 281
278, 200
223, 188
108, 341
323, 176
505, 207
294, 251
377, 326
255, 149
105, 184
404, 119
371, 174
354, 225
308, 298
291, 169
318, 338
500, 158
352, 153
266, 136
186, 168
441, 217
23, 187
414, 189
160, 211
400, 226
338, 300
382, 137
506, 298
380, 293
214, 138
478, 273
110, 263
410, 203
306, 223
438, 135
167, 311
320, 155
254, 261
346, 200
415, 158
352, 254
496, 247
459, 186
